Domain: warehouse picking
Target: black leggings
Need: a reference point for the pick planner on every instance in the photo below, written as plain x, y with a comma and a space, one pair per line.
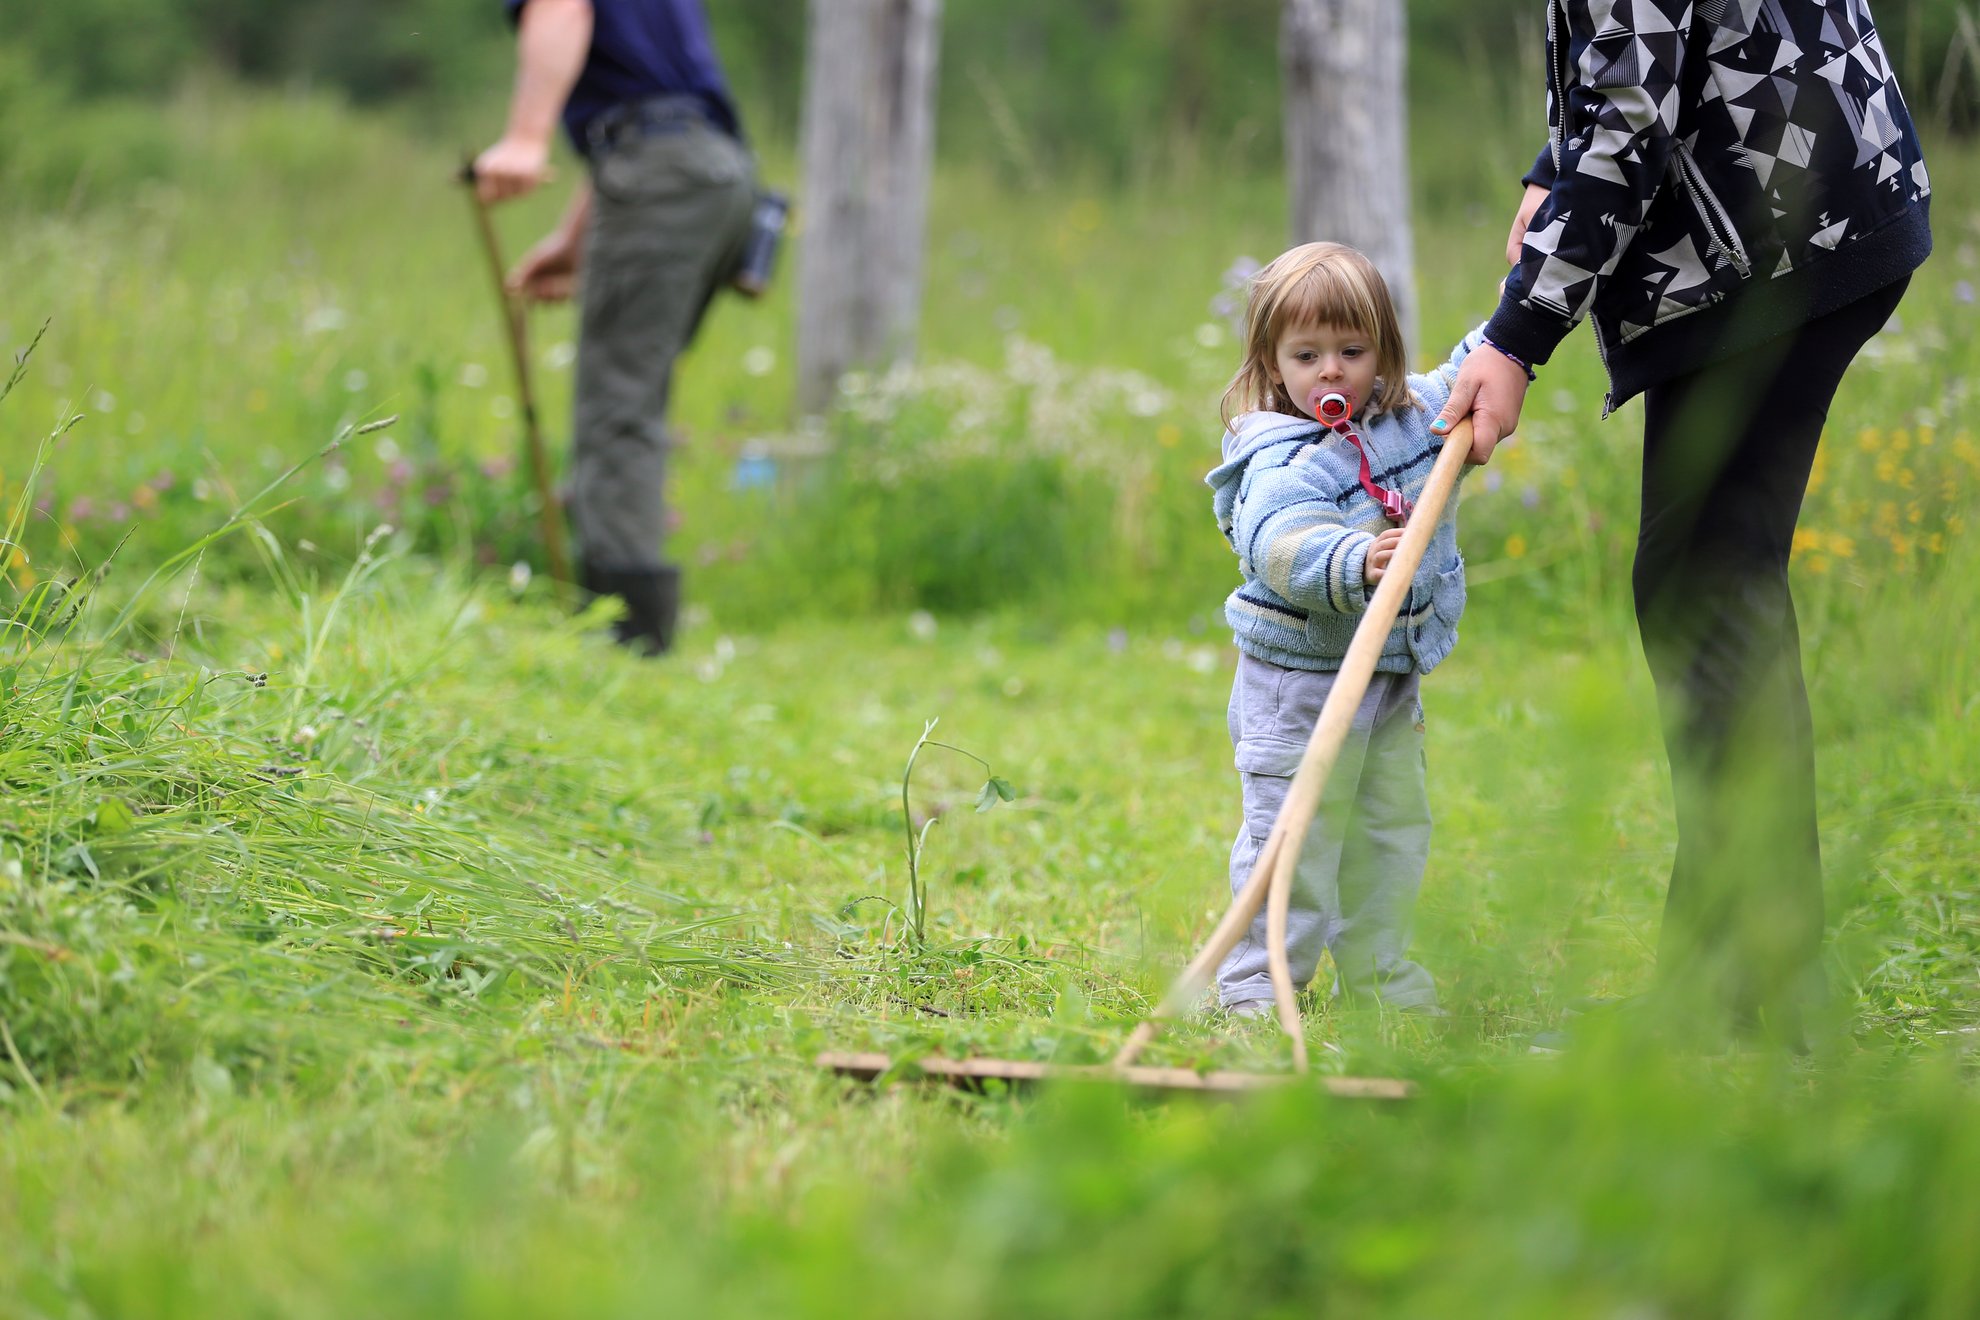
1726, 456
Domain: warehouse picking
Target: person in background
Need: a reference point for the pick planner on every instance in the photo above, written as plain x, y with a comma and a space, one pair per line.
1735, 194
649, 236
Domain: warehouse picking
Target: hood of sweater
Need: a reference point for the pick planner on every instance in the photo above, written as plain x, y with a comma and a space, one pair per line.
1249, 433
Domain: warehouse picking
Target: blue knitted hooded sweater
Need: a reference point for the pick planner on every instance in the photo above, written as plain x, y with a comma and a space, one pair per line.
1289, 500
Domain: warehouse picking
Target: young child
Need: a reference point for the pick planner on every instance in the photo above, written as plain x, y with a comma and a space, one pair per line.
1315, 512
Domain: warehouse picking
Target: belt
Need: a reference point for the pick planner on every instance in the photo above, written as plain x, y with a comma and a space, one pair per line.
675, 112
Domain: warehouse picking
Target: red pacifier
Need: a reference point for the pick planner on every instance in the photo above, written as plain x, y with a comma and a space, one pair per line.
1331, 407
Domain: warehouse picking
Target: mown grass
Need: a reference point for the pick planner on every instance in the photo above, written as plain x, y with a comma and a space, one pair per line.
376, 939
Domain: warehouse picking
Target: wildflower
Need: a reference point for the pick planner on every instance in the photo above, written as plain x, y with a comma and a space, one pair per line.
922, 626
81, 509
1168, 435
1515, 546
519, 575
1963, 292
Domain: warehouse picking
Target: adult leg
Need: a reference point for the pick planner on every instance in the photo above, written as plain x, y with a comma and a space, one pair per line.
668, 212
1273, 711
1726, 457
1383, 858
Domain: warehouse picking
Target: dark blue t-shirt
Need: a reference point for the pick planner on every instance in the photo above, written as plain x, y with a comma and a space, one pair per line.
640, 49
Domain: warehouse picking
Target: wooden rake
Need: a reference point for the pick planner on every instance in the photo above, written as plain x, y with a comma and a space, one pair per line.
1271, 879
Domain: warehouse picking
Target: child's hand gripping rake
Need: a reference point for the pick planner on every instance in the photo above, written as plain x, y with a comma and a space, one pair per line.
1272, 877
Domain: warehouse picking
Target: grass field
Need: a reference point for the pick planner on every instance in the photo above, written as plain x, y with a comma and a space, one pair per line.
375, 939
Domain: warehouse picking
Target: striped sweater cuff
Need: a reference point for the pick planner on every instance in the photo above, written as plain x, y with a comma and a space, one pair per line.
1348, 577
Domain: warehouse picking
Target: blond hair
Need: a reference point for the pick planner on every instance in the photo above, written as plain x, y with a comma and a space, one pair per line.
1317, 284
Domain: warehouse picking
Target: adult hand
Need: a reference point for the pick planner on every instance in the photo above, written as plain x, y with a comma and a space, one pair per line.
1490, 389
1380, 554
1528, 204
512, 167
548, 271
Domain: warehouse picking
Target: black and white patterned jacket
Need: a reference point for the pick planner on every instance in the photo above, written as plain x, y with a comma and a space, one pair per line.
1720, 172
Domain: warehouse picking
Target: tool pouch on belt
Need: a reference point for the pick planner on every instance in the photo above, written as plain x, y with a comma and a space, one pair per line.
766, 235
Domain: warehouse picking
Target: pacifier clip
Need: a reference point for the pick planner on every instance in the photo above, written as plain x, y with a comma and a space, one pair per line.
1333, 410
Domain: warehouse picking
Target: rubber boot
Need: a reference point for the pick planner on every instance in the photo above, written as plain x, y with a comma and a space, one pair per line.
653, 604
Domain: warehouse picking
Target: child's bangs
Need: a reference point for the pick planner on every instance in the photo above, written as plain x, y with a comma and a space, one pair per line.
1331, 293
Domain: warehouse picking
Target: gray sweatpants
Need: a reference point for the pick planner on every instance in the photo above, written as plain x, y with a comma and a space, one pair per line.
1363, 860
670, 213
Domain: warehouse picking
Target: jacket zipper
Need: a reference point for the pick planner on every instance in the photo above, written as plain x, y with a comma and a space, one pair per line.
1557, 53
1602, 352
1725, 238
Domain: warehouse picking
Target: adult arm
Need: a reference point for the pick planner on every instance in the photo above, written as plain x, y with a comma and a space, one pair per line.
1616, 115
553, 40
548, 272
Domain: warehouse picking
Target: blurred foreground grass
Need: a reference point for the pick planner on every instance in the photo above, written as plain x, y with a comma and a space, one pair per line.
375, 939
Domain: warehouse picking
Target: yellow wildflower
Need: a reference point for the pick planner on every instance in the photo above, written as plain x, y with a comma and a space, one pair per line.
1515, 546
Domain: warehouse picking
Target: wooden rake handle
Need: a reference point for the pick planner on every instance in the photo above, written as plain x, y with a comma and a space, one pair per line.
1271, 879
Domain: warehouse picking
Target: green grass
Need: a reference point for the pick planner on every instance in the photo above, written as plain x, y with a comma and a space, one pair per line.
375, 939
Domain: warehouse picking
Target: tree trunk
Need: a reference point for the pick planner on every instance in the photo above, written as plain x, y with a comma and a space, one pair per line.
1347, 135
868, 140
